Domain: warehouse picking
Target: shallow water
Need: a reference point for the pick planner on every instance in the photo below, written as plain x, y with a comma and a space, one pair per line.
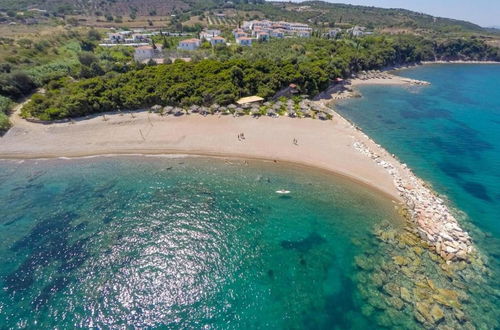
449, 134
187, 242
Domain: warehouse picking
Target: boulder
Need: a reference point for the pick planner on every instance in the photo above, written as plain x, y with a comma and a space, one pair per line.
437, 314
405, 294
392, 289
447, 298
400, 260
363, 262
396, 302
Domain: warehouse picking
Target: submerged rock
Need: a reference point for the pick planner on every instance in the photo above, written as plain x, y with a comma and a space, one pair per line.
437, 314
405, 294
392, 289
430, 313
400, 260
447, 298
396, 302
363, 262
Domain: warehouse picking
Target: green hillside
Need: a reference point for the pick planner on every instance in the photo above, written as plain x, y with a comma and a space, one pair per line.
317, 13
324, 12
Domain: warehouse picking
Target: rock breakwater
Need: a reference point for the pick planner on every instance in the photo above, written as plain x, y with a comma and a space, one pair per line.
434, 221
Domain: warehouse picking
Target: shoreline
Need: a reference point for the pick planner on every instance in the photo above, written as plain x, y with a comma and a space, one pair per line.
336, 146
76, 135
226, 157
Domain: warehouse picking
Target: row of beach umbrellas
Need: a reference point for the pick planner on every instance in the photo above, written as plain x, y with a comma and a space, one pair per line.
304, 108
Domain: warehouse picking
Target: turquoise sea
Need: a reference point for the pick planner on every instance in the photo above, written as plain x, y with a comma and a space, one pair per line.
161, 242
448, 132
180, 242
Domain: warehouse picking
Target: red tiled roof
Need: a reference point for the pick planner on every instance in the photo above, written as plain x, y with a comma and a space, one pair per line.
190, 41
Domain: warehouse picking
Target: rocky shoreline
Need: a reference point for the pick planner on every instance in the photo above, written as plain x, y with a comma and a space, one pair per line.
427, 211
434, 221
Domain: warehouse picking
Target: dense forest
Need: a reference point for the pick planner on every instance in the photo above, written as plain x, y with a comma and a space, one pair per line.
232, 73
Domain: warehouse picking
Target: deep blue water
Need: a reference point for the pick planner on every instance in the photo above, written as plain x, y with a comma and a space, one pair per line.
448, 132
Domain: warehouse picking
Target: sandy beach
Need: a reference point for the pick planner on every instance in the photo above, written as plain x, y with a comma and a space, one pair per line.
329, 148
332, 145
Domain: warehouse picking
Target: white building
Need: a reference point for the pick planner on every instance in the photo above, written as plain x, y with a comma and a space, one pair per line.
146, 53
334, 32
116, 38
239, 33
139, 37
209, 34
277, 34
358, 31
303, 33
244, 41
189, 44
217, 40
263, 36
271, 27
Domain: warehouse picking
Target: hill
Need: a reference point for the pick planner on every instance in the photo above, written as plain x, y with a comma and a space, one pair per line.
324, 12
114, 7
317, 13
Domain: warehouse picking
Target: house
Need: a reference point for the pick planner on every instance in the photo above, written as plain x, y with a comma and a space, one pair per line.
244, 41
116, 38
334, 33
303, 33
209, 34
139, 37
278, 33
218, 40
238, 33
189, 44
263, 36
146, 53
358, 31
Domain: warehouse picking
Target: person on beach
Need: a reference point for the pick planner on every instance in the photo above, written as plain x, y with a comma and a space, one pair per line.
295, 141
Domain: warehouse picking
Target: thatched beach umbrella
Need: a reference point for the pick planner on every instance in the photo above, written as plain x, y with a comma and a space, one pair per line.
215, 108
306, 112
168, 109
232, 108
271, 112
255, 111
204, 110
224, 110
239, 111
156, 108
178, 111
322, 116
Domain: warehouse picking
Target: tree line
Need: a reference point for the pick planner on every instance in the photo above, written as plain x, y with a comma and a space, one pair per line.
231, 73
